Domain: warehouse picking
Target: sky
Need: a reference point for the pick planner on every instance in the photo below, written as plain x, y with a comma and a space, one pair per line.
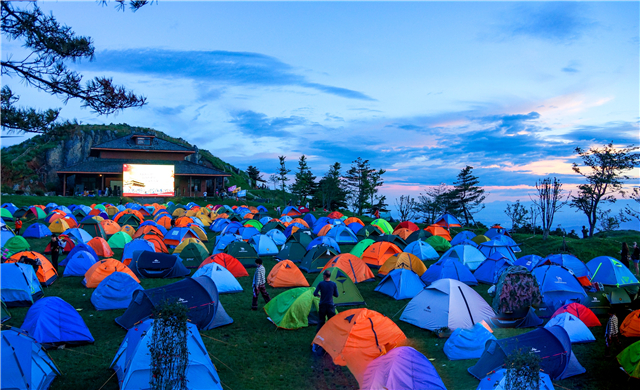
420, 89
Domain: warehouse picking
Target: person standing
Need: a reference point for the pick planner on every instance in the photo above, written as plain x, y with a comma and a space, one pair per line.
624, 255
611, 333
326, 290
585, 232
258, 285
18, 225
635, 257
56, 247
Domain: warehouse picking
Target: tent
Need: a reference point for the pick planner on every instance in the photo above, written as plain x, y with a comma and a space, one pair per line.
6, 214
447, 303
516, 291
132, 363
45, 272
114, 292
199, 295
357, 269
490, 247
37, 230
293, 309
277, 236
400, 283
102, 269
53, 322
157, 243
119, 240
16, 244
356, 337
93, 227
506, 240
612, 272
25, 364
629, 359
383, 225
529, 261
175, 236
495, 230
401, 368
402, 260
461, 237
342, 234
100, 246
347, 290
264, 245
316, 258
405, 225
19, 285
79, 248
438, 243
326, 241
137, 244
149, 264
368, 231
227, 261
440, 231
422, 250
360, 247
183, 244
224, 240
578, 332
286, 274
396, 240
224, 280
376, 254
630, 327
110, 227
5, 234
551, 344
451, 268
402, 233
582, 312
5, 313
447, 221
568, 261
418, 235
467, 343
558, 286
243, 252
490, 270
467, 254
78, 264
193, 255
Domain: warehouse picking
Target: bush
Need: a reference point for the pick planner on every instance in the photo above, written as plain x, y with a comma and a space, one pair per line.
523, 370
7, 189
39, 192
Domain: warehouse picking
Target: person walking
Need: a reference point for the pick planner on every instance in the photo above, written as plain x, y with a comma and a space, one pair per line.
18, 225
326, 290
56, 247
611, 333
258, 285
635, 257
624, 255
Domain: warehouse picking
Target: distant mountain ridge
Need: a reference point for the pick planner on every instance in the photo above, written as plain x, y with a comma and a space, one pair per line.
34, 163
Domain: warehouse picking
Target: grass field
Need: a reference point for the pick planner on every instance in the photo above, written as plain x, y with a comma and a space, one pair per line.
253, 354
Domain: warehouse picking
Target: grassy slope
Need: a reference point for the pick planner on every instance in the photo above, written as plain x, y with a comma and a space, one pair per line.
251, 353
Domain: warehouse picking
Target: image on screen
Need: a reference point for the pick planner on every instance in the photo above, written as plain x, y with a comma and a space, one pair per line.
147, 180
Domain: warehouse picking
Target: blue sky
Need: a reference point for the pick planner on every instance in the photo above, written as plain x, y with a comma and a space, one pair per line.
420, 89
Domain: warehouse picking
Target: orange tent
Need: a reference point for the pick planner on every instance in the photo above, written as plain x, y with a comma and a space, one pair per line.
355, 337
130, 211
157, 243
229, 262
353, 266
403, 260
70, 221
248, 216
183, 221
407, 225
377, 253
438, 230
46, 273
403, 233
324, 230
130, 230
335, 215
300, 221
352, 220
56, 214
631, 325
104, 268
110, 227
100, 246
148, 229
286, 274
164, 221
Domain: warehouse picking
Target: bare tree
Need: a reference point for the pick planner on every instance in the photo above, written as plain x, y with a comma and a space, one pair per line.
534, 213
517, 213
629, 210
406, 206
549, 199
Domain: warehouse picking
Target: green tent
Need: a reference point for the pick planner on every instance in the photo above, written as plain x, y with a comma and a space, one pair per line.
193, 254
5, 313
293, 251
119, 240
629, 359
368, 231
6, 214
348, 293
303, 237
79, 213
254, 223
418, 235
94, 228
316, 258
272, 225
384, 225
360, 247
438, 243
243, 252
129, 219
16, 244
100, 207
392, 238
293, 309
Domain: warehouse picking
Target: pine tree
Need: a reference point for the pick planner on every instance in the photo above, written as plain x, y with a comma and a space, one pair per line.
305, 182
467, 194
331, 189
282, 177
254, 175
362, 183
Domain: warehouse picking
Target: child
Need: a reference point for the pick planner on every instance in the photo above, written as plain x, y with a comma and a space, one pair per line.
259, 281
611, 333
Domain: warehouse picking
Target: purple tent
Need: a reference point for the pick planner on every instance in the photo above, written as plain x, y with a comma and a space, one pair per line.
402, 368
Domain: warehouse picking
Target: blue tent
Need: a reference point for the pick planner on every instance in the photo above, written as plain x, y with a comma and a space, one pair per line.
52, 322
37, 230
558, 286
219, 224
264, 245
612, 272
576, 329
568, 261
318, 226
355, 227
467, 343
528, 261
506, 240
467, 254
310, 219
277, 236
286, 218
224, 280
232, 228
177, 234
551, 344
320, 221
79, 235
25, 364
401, 368
115, 292
422, 250
490, 247
132, 363
138, 244
449, 268
262, 209
81, 247
447, 220
162, 229
78, 264
5, 235
10, 206
223, 240
19, 285
246, 232
460, 237
400, 284
149, 264
342, 234
490, 270
496, 380
291, 209
324, 240
494, 231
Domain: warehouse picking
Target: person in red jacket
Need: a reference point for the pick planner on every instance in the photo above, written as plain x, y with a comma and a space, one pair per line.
18, 226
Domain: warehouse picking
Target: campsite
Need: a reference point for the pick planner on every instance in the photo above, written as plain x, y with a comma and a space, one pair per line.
248, 351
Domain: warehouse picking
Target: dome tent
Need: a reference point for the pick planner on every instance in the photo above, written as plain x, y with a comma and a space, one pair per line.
53, 322
227, 261
286, 274
347, 290
224, 280
400, 284
25, 364
114, 292
558, 286
357, 269
19, 285
293, 309
467, 343
467, 254
422, 250
516, 291
578, 332
629, 359
78, 264
449, 267
316, 258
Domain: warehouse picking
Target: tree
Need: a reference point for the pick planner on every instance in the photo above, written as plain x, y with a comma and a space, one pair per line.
517, 213
548, 201
254, 175
331, 189
363, 182
609, 222
274, 179
630, 211
406, 206
533, 217
467, 194
282, 176
605, 170
434, 202
305, 182
168, 347
49, 46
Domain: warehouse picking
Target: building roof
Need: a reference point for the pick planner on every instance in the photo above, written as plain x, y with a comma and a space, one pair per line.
114, 166
157, 144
